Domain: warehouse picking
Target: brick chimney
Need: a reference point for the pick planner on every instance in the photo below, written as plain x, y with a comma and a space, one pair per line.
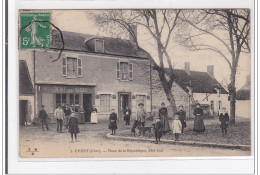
187, 67
134, 28
210, 70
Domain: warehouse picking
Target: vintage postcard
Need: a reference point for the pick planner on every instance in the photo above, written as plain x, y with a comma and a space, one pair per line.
134, 83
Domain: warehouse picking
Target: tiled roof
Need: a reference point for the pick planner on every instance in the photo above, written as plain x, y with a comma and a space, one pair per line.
244, 92
82, 42
25, 83
201, 82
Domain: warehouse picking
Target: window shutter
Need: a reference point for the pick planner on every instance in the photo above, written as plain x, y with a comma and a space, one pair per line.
64, 66
130, 71
118, 70
79, 67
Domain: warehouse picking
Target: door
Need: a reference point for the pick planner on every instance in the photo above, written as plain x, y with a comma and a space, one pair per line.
22, 112
123, 101
87, 106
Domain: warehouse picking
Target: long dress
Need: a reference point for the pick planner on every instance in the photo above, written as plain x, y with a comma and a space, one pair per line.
112, 121
93, 118
73, 125
198, 121
224, 118
163, 113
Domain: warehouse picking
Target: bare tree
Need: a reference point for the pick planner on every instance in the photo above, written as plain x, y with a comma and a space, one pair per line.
159, 24
225, 32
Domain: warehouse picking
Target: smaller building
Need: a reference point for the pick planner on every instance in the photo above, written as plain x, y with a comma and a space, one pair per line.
26, 94
192, 87
243, 103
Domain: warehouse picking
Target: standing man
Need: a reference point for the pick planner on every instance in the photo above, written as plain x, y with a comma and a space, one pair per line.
67, 112
140, 116
127, 114
59, 115
43, 116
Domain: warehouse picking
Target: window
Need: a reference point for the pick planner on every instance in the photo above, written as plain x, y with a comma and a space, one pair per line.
130, 71
64, 66
60, 99
219, 104
124, 71
212, 106
99, 47
72, 67
140, 99
79, 68
74, 101
105, 103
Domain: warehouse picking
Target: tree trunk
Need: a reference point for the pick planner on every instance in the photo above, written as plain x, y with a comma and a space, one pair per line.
232, 93
167, 87
171, 100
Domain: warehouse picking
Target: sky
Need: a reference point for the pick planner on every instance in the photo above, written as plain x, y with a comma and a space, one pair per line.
79, 21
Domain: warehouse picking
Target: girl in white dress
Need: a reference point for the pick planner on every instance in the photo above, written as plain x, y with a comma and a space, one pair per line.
176, 127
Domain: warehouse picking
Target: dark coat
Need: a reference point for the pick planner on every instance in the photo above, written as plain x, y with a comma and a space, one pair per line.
67, 112
163, 112
223, 118
73, 125
113, 119
43, 114
182, 115
198, 120
198, 111
127, 110
158, 129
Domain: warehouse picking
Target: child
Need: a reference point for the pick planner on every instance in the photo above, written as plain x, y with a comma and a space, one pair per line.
176, 127
112, 124
73, 126
223, 118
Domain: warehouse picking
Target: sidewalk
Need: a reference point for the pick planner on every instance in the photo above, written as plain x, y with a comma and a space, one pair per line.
238, 136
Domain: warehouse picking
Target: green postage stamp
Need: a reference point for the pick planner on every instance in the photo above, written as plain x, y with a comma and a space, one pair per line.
35, 30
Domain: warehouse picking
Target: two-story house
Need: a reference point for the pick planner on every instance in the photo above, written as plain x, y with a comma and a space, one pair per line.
191, 87
92, 70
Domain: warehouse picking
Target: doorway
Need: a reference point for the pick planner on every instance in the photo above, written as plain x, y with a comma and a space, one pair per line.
22, 111
87, 106
123, 101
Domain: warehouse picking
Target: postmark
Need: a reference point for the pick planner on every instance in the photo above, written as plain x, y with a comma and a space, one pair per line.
35, 30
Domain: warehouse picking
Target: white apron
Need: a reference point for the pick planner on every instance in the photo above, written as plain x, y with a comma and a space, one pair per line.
93, 118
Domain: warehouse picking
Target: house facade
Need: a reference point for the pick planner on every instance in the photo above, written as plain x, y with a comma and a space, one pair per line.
26, 94
243, 103
100, 71
191, 87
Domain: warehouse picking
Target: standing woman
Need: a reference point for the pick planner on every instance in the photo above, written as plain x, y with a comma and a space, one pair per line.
112, 122
182, 117
93, 118
199, 126
163, 114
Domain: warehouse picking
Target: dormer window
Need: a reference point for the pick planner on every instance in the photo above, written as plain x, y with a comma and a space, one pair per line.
99, 45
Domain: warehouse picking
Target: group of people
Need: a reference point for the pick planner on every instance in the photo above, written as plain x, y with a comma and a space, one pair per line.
66, 116
161, 116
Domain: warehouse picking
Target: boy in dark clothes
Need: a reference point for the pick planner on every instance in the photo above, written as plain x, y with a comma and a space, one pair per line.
127, 114
223, 118
112, 124
43, 116
73, 126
